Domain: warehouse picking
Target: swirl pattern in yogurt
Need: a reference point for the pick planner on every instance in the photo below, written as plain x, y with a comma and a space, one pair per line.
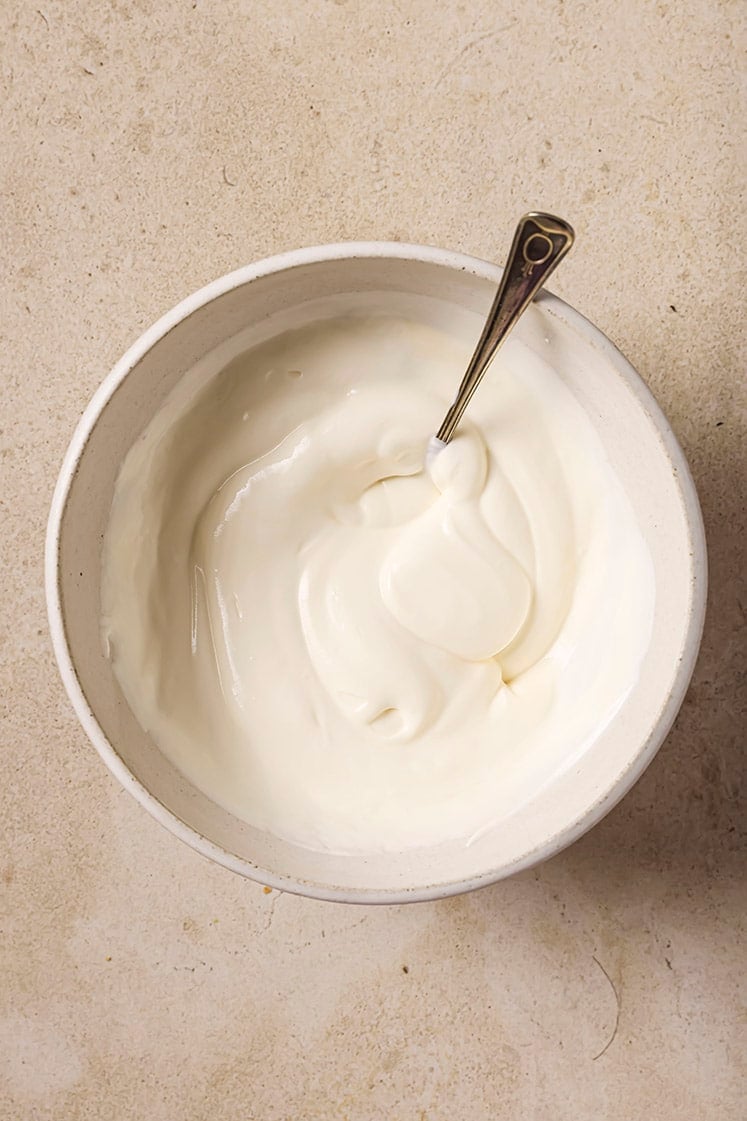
343, 647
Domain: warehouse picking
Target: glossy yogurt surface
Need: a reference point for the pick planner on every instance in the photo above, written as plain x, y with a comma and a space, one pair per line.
349, 649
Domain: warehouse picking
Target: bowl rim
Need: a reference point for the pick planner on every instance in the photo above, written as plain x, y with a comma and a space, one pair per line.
316, 255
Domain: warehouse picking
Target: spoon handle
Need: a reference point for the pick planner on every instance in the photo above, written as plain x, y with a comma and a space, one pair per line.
540, 243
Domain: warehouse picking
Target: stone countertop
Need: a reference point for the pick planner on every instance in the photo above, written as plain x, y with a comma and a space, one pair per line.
151, 146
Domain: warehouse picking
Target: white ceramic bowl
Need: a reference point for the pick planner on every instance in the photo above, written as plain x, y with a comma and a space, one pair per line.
639, 444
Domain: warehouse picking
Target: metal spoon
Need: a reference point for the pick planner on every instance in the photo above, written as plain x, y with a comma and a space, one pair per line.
540, 243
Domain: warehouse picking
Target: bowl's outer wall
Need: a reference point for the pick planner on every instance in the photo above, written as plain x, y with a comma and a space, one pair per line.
640, 446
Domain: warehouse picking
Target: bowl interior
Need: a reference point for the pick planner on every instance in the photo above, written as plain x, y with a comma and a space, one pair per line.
424, 284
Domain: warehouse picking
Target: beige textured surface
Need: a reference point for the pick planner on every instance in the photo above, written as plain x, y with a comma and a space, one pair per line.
149, 147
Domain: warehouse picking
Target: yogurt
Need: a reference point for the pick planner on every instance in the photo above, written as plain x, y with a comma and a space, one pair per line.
343, 647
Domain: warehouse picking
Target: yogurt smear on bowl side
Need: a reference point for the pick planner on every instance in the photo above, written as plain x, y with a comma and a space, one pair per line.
345, 648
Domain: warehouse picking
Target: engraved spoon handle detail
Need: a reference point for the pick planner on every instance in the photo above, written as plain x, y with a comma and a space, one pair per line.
540, 243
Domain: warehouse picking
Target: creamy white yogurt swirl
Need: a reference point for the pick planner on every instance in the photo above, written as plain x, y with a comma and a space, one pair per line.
342, 647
